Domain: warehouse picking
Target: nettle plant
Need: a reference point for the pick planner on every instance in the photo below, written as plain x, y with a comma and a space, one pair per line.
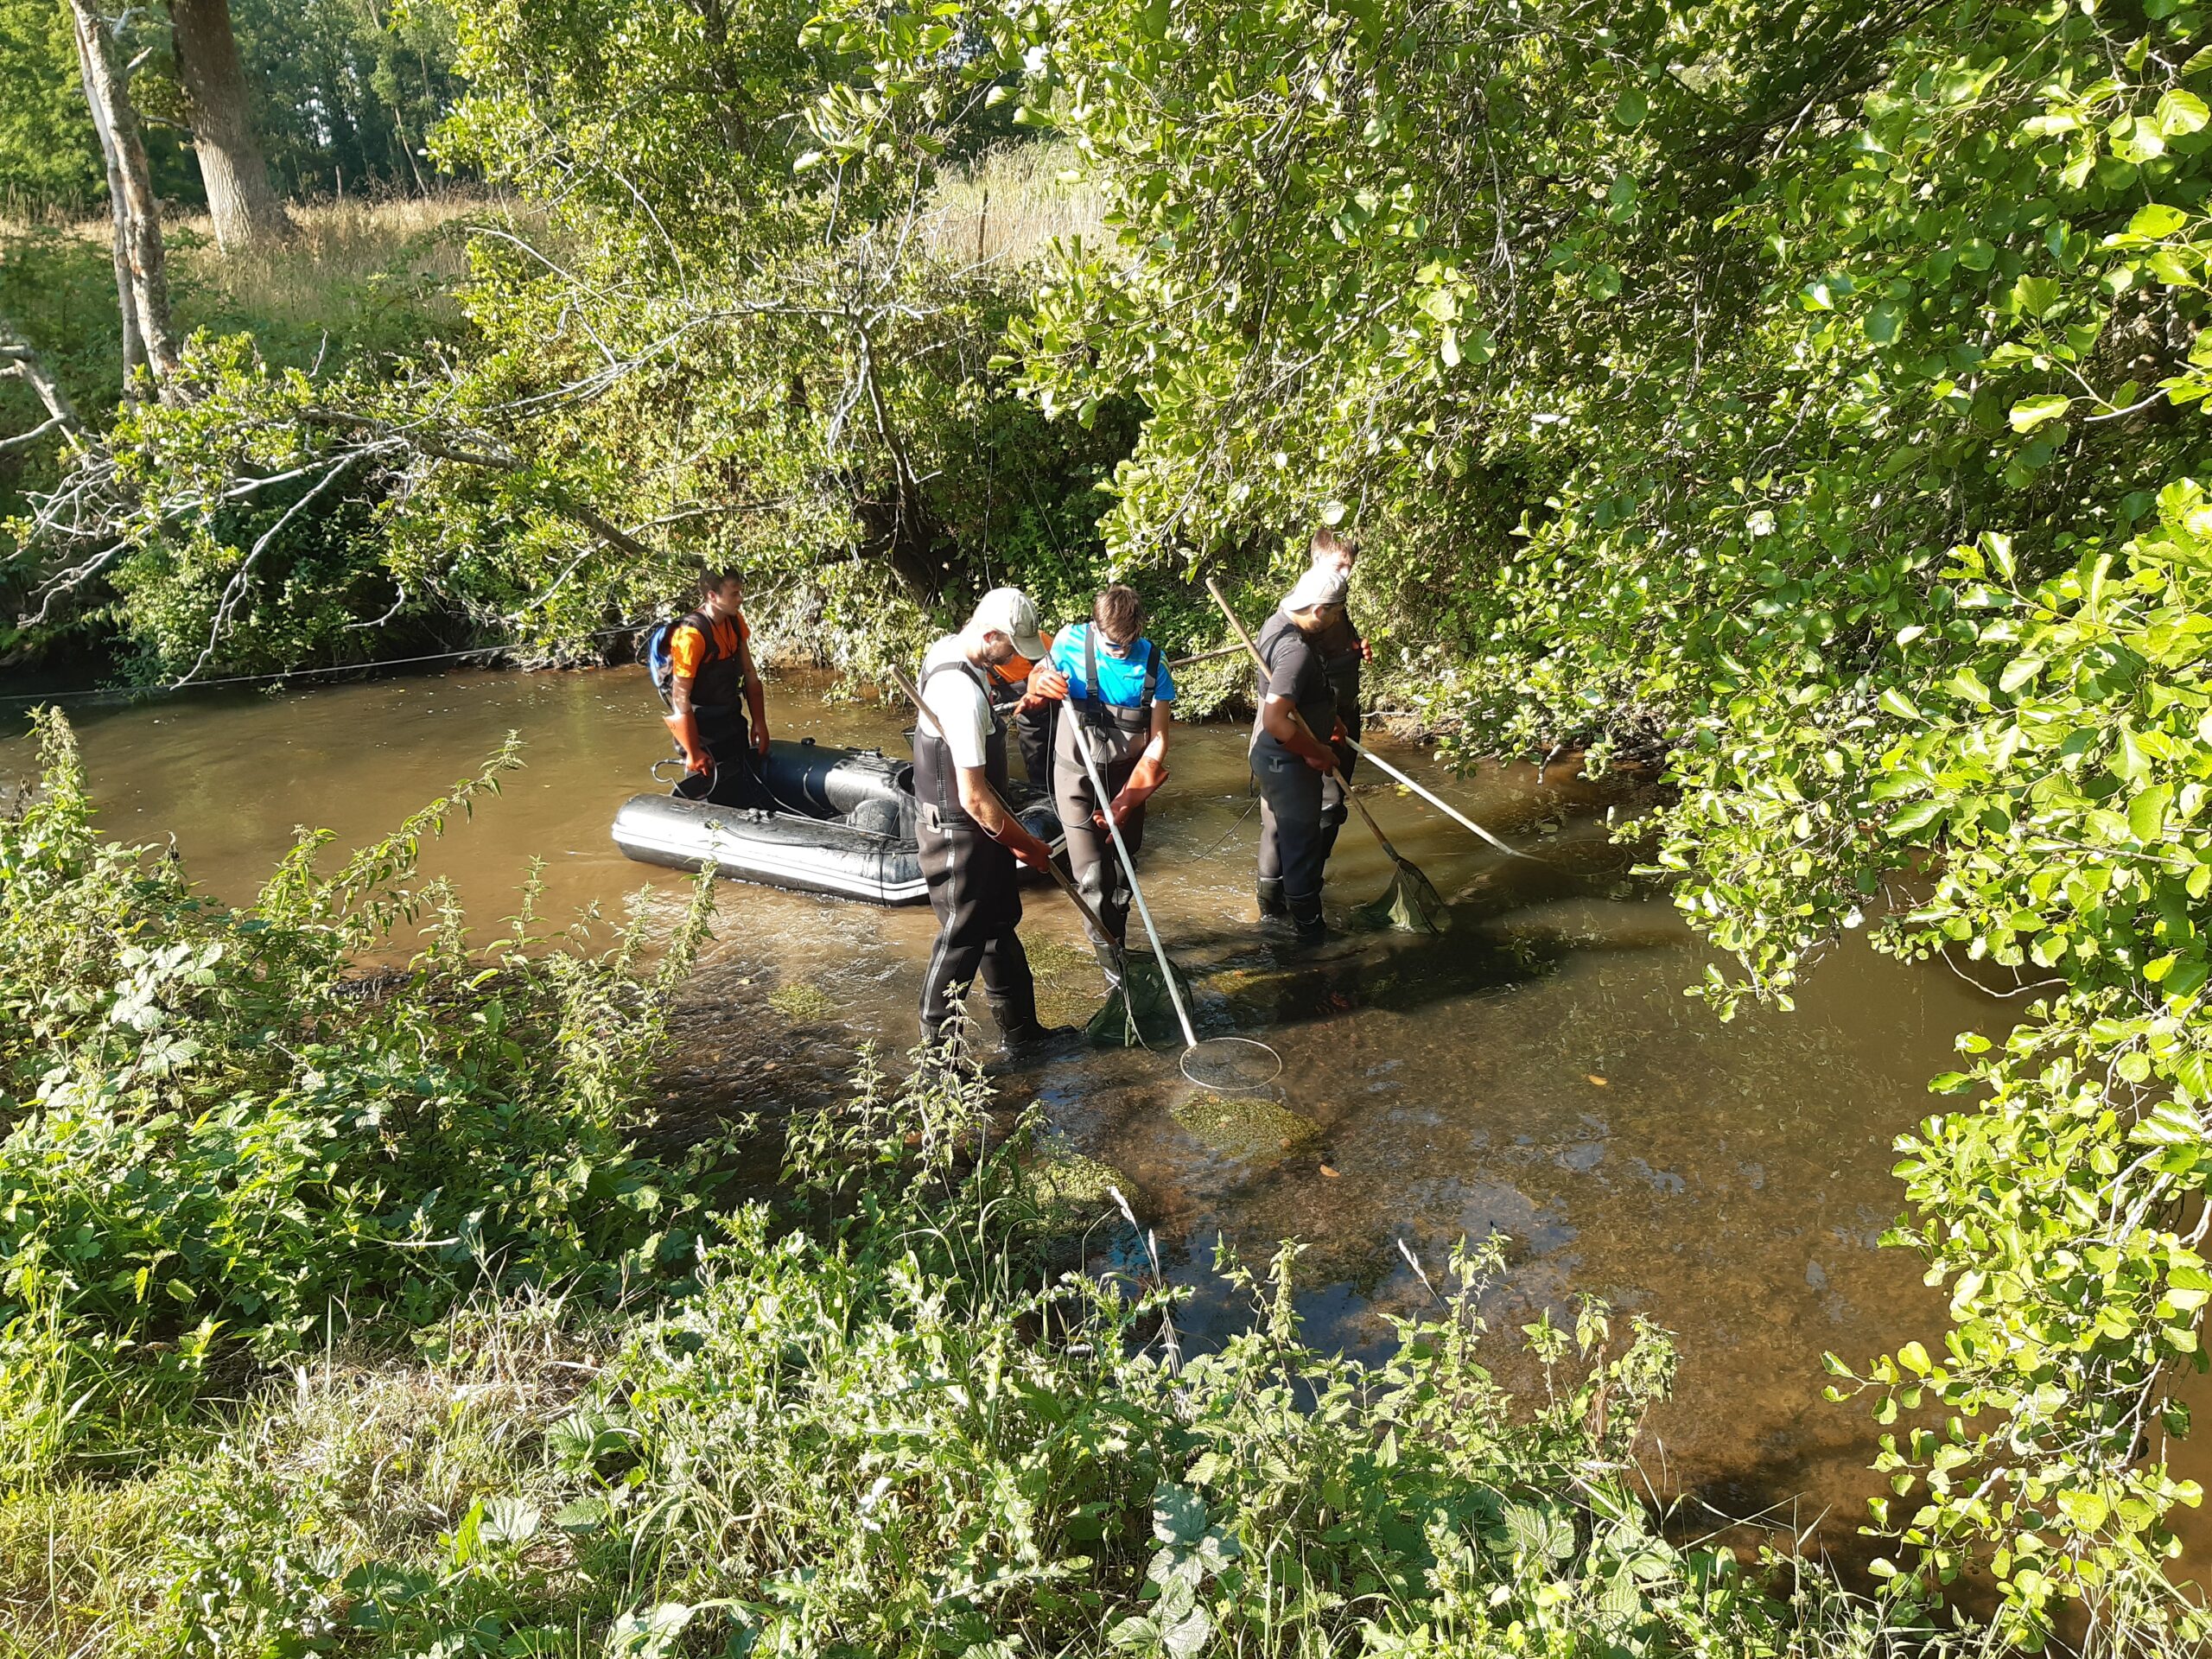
227, 1142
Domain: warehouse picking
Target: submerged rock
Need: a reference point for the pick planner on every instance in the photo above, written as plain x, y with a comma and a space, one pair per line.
1065, 1180
802, 1002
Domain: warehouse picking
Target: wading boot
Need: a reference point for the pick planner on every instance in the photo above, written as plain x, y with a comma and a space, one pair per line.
1031, 1046
1109, 965
1025, 1040
1272, 907
1312, 928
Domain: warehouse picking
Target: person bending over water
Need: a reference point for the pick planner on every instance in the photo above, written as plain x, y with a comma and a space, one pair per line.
1120, 702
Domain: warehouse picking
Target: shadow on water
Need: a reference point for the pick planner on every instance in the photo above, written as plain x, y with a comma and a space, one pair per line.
1537, 1072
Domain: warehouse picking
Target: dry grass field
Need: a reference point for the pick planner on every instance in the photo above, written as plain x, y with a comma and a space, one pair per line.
1011, 205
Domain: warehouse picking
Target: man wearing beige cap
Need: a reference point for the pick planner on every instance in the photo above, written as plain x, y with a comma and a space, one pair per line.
970, 844
1290, 751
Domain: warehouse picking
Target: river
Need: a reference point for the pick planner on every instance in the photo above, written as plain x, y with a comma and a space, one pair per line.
1537, 1071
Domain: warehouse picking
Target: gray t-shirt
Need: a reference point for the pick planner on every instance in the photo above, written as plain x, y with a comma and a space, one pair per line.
1294, 672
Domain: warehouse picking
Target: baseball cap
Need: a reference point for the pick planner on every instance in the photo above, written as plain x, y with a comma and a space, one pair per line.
1320, 585
1012, 613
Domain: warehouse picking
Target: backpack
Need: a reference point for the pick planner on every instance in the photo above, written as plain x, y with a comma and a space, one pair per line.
659, 662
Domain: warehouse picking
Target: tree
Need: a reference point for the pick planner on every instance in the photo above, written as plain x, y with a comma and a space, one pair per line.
141, 267
48, 148
244, 207
1817, 391
19, 360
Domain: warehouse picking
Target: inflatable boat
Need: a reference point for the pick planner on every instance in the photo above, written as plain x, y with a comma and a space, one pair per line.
843, 826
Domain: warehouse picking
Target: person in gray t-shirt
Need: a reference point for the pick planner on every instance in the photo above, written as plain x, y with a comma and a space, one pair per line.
1291, 756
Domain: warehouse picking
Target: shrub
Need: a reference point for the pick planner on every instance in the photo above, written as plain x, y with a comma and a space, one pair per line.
884, 1424
224, 1143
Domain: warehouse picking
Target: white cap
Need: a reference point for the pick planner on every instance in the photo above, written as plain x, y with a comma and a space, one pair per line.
1012, 613
1320, 585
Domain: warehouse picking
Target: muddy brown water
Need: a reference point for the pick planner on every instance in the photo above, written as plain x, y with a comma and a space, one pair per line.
1537, 1072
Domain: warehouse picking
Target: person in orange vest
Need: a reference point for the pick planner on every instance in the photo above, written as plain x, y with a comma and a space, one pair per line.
1035, 721
717, 709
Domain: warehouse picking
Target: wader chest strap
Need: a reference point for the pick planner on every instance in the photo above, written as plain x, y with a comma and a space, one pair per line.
1114, 712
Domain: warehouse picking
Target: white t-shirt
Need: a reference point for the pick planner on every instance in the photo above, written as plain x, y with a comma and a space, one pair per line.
958, 701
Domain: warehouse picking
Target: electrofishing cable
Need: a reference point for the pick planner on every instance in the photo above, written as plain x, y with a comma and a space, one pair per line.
128, 692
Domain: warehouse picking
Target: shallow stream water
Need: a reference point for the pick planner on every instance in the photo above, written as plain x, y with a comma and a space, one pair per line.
1537, 1071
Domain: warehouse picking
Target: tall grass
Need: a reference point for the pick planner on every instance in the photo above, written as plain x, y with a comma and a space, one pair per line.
339, 252
1008, 206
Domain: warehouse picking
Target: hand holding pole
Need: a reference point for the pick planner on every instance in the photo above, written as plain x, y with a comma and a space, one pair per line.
1214, 587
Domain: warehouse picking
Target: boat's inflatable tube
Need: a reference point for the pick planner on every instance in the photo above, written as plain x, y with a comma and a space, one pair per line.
846, 827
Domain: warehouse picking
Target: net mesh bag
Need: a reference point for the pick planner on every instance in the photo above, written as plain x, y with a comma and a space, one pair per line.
1141, 1014
1410, 904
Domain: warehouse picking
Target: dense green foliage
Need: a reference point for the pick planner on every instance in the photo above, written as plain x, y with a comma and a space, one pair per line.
1818, 393
224, 1145
47, 145
344, 97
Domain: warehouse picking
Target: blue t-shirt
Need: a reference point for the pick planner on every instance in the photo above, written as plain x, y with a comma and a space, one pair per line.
1120, 679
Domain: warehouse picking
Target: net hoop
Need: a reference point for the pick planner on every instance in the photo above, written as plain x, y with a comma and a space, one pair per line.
1231, 1064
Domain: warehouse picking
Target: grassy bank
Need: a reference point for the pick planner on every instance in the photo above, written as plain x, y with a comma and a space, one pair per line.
341, 1317
357, 277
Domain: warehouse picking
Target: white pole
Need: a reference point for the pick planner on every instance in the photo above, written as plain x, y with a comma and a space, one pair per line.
1128, 865
1440, 804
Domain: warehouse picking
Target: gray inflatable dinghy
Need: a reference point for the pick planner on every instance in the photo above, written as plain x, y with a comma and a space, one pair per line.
843, 826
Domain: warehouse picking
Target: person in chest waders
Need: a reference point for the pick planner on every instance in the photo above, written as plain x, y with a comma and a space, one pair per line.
1344, 652
971, 847
1119, 698
1290, 762
1035, 720
712, 688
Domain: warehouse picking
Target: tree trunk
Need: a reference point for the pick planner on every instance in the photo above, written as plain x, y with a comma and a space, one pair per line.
142, 273
245, 210
134, 337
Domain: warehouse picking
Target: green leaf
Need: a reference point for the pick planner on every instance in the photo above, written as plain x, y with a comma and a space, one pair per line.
2085, 1509
2181, 112
1137, 1632
2146, 813
1918, 816
1631, 107
1178, 1515
2032, 412
2033, 296
2157, 220
1188, 1634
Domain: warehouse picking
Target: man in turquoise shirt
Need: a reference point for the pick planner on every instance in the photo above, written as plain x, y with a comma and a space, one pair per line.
1120, 704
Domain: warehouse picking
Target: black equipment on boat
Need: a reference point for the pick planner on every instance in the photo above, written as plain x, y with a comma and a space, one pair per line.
844, 826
